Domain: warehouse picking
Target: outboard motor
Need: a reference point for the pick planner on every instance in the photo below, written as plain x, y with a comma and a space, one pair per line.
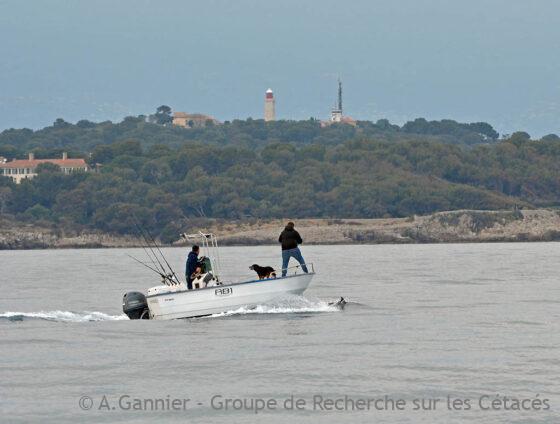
135, 305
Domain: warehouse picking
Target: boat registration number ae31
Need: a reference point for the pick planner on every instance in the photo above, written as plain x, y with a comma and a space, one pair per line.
224, 291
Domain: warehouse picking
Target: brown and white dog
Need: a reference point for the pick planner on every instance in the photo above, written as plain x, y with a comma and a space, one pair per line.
263, 271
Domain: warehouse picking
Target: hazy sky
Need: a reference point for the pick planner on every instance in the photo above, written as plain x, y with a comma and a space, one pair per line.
478, 60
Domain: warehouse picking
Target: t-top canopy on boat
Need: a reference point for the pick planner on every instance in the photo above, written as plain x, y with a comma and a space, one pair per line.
209, 244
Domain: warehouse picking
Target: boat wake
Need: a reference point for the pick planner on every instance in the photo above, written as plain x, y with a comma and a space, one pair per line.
287, 305
291, 305
61, 316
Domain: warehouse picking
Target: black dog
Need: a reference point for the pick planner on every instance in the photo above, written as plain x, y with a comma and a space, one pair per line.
263, 271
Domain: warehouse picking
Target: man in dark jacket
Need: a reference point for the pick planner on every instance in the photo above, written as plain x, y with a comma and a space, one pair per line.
192, 260
290, 239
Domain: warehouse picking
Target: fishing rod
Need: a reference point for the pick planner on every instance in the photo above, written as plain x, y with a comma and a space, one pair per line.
149, 256
164, 277
145, 264
141, 231
145, 231
164, 258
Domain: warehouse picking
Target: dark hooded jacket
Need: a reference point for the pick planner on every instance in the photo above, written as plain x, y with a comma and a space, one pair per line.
192, 260
289, 238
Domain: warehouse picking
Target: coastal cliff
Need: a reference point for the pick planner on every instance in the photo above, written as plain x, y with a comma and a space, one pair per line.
444, 227
463, 226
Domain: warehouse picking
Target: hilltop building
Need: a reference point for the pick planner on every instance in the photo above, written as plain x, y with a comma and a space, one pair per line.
193, 120
269, 106
19, 170
336, 113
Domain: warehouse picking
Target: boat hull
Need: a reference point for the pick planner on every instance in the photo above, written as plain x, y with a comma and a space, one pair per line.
218, 299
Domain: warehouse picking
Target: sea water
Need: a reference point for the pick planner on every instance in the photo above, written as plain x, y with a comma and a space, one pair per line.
430, 334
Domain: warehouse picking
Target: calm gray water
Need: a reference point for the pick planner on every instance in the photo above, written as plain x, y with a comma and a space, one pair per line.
423, 322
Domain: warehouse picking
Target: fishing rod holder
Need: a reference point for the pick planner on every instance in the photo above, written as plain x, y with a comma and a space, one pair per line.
169, 280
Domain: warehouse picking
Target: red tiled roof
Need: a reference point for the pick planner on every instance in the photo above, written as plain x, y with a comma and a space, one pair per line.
63, 163
193, 116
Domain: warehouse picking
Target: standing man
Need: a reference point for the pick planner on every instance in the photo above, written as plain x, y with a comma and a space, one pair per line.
192, 260
290, 239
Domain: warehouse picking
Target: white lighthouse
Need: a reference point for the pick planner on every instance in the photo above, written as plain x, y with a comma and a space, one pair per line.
269, 108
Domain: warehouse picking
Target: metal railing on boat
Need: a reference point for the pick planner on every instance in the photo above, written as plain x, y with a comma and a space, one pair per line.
290, 271
295, 268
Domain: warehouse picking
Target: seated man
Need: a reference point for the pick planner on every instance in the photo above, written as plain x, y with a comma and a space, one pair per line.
191, 266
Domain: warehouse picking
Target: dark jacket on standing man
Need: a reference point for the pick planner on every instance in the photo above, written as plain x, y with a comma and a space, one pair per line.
289, 238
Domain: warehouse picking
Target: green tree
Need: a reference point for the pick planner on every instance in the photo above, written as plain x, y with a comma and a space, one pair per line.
38, 212
5, 195
550, 137
163, 115
61, 123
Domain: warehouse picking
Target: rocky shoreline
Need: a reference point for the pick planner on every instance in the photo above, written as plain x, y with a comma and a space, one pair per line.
464, 226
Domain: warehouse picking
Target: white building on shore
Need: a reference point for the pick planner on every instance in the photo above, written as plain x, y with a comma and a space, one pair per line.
21, 169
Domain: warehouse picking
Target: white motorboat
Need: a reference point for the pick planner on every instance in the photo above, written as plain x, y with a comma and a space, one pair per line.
210, 294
